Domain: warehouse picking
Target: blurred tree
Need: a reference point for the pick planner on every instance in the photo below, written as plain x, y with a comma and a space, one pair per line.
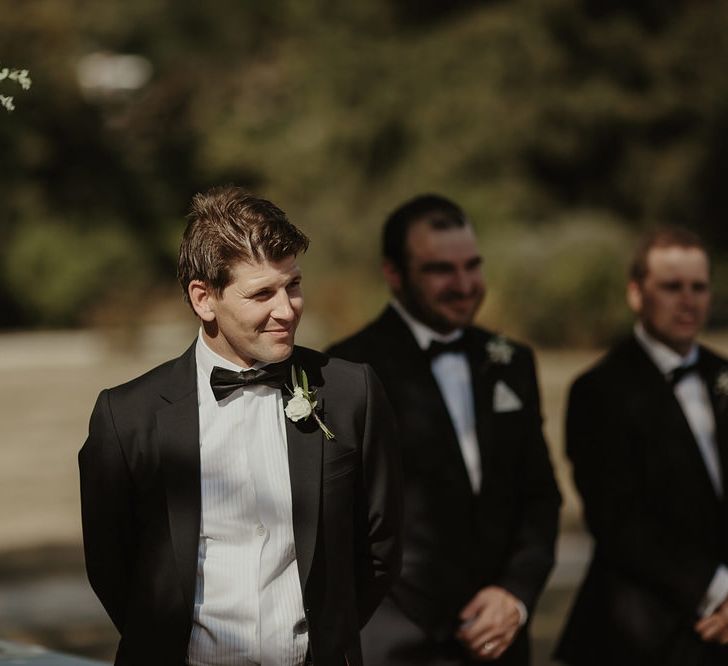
525, 111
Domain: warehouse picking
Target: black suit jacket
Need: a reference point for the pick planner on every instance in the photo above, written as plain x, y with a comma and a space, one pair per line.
456, 542
660, 530
141, 504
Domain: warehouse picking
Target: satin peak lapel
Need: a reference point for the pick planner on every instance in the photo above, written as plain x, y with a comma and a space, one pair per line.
178, 435
305, 454
717, 379
483, 380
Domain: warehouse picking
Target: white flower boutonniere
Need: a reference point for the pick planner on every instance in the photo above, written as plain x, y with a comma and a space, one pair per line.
303, 401
500, 350
721, 383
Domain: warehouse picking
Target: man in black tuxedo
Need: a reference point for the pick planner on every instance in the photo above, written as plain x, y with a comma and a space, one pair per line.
647, 433
219, 529
481, 504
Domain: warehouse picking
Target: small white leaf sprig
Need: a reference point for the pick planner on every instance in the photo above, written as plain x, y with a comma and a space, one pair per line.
500, 350
721, 383
21, 77
303, 401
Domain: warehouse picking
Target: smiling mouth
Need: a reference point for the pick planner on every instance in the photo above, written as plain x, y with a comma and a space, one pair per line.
283, 332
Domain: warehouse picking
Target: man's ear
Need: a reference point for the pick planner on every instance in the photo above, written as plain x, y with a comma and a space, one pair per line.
202, 300
392, 275
634, 297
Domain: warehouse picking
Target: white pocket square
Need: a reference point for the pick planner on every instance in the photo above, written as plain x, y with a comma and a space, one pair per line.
504, 399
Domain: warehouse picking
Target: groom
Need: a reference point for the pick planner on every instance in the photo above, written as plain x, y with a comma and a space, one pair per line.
224, 521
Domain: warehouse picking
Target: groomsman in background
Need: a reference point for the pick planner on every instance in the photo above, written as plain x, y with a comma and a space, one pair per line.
481, 503
647, 432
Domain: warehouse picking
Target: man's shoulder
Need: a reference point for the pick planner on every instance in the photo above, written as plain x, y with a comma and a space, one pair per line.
343, 381
325, 365
368, 342
507, 355
713, 356
615, 367
158, 379
492, 341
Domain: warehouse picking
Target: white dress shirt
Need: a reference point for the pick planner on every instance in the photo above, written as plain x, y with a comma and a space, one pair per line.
248, 601
452, 373
694, 399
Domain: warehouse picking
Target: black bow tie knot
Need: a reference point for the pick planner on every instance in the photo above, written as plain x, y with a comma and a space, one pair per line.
224, 382
678, 374
436, 347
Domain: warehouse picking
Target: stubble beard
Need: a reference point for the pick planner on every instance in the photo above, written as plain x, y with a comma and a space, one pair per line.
416, 306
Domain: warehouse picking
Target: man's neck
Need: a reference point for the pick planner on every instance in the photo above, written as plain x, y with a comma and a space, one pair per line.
422, 333
665, 357
221, 359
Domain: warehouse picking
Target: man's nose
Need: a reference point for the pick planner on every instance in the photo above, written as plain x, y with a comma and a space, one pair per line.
462, 282
282, 308
465, 282
688, 296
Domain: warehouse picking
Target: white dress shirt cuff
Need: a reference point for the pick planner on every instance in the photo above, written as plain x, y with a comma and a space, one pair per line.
717, 592
522, 611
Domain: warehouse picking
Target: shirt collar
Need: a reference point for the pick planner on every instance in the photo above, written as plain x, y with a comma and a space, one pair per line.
207, 359
423, 334
664, 358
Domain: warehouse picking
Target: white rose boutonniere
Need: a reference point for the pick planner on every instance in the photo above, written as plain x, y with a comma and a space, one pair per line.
303, 401
500, 350
298, 406
721, 383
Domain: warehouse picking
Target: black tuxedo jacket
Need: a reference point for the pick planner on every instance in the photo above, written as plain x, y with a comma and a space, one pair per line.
660, 530
141, 504
456, 542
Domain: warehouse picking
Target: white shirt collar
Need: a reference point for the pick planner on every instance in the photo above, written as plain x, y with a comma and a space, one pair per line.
664, 358
207, 359
423, 334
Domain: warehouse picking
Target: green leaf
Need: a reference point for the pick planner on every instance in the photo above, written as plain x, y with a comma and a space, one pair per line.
304, 379
294, 381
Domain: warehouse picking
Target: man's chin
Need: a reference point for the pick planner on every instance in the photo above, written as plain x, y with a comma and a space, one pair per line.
456, 320
277, 353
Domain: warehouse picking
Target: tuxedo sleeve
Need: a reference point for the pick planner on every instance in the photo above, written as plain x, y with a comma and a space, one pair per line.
605, 451
378, 502
532, 555
106, 512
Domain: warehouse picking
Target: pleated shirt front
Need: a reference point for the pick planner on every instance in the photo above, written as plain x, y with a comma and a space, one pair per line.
248, 601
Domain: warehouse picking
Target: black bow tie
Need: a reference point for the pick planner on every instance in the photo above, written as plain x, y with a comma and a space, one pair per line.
436, 347
224, 382
682, 371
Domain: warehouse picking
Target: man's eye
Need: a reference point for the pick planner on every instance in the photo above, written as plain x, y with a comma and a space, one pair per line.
474, 264
437, 269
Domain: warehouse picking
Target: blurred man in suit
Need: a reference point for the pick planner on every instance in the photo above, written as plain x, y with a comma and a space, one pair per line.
481, 504
227, 518
647, 432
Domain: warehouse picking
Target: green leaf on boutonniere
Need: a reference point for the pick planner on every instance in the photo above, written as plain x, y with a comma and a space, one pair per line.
303, 401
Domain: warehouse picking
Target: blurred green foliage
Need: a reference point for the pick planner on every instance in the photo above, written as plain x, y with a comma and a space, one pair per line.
60, 271
561, 283
562, 126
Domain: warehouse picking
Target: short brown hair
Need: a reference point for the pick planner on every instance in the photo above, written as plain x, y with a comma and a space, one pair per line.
439, 212
663, 236
227, 225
